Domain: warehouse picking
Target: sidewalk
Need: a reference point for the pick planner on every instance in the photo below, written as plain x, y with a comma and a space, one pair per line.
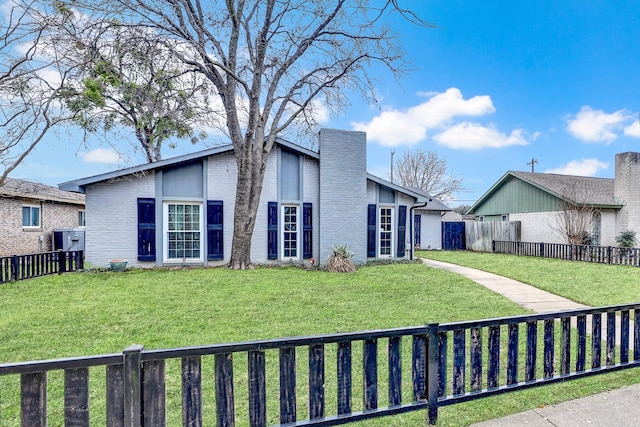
619, 407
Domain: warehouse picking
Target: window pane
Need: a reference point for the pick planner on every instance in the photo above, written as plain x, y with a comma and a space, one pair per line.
184, 236
26, 215
35, 217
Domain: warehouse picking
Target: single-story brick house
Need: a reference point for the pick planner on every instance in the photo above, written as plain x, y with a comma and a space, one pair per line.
181, 210
535, 199
30, 211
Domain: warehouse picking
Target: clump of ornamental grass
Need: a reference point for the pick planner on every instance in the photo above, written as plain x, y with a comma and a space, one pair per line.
340, 259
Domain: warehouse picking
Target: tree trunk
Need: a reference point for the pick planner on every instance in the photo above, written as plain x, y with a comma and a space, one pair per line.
250, 179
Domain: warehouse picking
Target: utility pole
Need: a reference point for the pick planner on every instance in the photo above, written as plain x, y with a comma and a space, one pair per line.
392, 153
533, 163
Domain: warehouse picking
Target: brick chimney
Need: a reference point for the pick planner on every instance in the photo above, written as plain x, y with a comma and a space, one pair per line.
626, 191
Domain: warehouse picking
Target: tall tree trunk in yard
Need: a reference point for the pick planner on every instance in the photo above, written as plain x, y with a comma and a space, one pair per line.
251, 170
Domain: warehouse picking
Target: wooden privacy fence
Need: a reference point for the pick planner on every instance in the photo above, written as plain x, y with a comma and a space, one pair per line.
480, 235
419, 368
20, 267
588, 253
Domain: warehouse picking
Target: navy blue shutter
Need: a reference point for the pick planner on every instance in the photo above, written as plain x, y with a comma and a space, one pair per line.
146, 229
371, 231
272, 230
416, 228
307, 237
402, 230
215, 222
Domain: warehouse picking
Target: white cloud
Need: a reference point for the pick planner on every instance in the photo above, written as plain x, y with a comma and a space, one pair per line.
102, 155
633, 129
392, 127
583, 167
596, 125
473, 136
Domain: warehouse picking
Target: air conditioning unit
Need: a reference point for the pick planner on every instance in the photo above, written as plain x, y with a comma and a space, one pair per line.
68, 239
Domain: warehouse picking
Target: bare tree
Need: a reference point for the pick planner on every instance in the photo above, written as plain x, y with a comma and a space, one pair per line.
428, 172
271, 62
31, 79
131, 79
574, 221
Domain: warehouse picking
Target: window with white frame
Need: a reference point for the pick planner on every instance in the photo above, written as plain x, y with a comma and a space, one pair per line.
290, 233
31, 216
183, 232
82, 218
385, 248
505, 217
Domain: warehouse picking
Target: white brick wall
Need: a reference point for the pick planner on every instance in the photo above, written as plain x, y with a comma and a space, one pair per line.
541, 227
626, 191
343, 192
112, 219
311, 194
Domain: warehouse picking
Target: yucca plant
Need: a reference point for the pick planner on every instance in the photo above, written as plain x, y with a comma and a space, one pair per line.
340, 259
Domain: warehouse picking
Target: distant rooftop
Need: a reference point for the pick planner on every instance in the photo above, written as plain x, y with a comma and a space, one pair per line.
37, 191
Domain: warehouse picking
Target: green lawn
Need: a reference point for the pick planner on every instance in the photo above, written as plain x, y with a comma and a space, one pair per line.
92, 313
588, 283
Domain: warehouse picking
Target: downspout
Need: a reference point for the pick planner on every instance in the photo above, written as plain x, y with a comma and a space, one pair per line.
422, 205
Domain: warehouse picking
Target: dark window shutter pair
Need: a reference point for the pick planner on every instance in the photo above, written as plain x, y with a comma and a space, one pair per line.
272, 230
215, 247
146, 229
371, 230
402, 230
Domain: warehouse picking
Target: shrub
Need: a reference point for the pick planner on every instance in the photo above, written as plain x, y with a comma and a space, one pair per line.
340, 259
626, 239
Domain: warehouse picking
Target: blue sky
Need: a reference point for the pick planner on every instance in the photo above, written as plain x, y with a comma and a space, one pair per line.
494, 85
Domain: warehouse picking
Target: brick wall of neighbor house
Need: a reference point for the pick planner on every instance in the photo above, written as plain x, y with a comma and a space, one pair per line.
626, 191
542, 227
343, 192
112, 219
17, 240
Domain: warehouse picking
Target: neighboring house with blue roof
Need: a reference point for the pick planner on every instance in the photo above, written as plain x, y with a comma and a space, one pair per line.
181, 210
536, 200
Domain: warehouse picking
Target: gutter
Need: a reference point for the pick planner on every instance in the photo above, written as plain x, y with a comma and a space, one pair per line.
422, 205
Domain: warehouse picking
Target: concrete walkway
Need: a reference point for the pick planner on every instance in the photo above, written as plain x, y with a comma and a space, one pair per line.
619, 407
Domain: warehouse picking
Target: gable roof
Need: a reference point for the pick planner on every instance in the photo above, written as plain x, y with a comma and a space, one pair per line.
19, 188
583, 190
433, 204
79, 184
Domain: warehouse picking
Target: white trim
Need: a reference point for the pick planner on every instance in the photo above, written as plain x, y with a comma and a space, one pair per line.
32, 227
298, 222
388, 227
165, 232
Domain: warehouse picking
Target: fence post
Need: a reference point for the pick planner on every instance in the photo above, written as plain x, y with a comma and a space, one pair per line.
133, 385
80, 265
62, 262
433, 362
541, 249
14, 268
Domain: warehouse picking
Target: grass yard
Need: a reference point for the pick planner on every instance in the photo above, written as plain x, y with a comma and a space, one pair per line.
588, 283
92, 313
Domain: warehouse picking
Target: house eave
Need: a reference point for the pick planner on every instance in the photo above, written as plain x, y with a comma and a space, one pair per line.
78, 185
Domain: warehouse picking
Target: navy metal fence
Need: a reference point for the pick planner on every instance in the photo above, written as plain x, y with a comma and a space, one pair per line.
20, 267
340, 378
589, 253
